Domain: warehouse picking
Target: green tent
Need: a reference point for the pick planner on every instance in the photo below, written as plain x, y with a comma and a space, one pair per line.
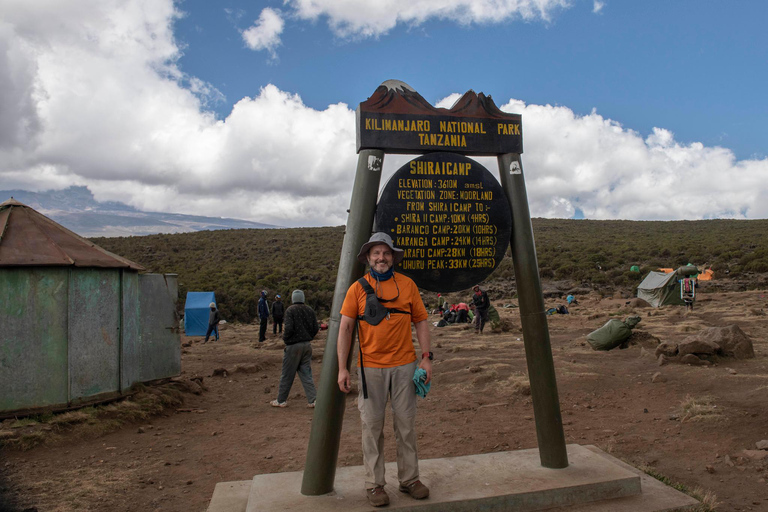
660, 289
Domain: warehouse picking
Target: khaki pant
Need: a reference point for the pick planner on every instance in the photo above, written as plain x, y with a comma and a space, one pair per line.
395, 384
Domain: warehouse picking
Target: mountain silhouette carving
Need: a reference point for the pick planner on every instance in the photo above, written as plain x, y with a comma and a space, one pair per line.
396, 97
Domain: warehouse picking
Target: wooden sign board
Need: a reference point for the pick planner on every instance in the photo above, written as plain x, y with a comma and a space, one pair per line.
450, 216
398, 119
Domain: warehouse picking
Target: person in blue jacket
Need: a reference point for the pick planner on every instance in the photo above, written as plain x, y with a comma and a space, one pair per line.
263, 311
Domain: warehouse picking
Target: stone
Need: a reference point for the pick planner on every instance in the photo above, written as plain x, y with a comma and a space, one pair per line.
219, 371
692, 360
246, 368
662, 360
756, 454
710, 469
693, 345
667, 348
732, 371
732, 340
658, 377
762, 445
638, 303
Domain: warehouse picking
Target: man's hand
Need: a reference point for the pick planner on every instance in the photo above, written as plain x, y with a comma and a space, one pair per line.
426, 365
344, 381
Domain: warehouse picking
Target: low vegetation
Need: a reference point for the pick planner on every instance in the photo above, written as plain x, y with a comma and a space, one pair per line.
708, 500
698, 408
238, 264
90, 422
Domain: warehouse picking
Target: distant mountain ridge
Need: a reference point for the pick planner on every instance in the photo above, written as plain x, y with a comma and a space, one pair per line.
76, 209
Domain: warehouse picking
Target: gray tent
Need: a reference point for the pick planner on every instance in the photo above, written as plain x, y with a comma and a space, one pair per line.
660, 289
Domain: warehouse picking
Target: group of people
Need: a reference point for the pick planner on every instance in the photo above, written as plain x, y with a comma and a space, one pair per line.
277, 313
459, 313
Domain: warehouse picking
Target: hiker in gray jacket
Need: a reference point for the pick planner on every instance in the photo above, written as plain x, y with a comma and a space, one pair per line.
300, 328
213, 323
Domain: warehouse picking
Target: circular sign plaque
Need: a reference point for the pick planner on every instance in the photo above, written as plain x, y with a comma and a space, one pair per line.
450, 216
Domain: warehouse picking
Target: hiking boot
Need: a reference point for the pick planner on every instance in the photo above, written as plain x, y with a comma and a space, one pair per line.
377, 496
417, 490
311, 406
275, 403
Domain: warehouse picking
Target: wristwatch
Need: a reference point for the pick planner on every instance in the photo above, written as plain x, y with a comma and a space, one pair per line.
428, 354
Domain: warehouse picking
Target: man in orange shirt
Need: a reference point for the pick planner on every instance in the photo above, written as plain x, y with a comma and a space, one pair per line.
387, 363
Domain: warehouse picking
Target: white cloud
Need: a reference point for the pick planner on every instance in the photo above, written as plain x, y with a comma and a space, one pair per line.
371, 18
92, 96
609, 172
264, 34
597, 6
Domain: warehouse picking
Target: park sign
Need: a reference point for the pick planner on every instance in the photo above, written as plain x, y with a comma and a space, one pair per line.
455, 223
451, 218
397, 119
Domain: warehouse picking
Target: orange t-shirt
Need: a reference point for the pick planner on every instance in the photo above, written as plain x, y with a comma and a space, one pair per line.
388, 344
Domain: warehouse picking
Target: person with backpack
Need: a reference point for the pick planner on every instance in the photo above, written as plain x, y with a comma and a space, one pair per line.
300, 329
213, 323
384, 304
481, 303
263, 310
688, 292
278, 309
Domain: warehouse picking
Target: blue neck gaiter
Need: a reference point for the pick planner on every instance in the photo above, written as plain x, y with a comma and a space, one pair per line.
383, 277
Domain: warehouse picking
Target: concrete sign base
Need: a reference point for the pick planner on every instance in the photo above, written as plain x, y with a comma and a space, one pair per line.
594, 481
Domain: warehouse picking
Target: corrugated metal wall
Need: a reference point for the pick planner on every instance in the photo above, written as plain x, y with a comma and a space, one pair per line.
94, 332
68, 334
156, 353
33, 337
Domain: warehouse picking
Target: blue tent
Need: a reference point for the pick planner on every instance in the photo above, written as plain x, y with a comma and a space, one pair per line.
196, 311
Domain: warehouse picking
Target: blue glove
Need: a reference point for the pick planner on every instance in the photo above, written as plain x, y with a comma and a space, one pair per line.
419, 376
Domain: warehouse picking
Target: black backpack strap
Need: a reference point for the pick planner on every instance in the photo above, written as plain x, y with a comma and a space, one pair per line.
369, 291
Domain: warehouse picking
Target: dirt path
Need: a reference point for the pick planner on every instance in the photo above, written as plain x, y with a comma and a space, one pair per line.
478, 404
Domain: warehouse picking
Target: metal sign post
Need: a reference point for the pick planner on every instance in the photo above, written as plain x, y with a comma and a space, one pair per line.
325, 436
533, 316
397, 119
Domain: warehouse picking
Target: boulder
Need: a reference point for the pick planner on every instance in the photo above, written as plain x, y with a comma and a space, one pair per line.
694, 345
667, 348
732, 341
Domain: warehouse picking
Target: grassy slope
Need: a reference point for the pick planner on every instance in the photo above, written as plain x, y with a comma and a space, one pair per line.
237, 264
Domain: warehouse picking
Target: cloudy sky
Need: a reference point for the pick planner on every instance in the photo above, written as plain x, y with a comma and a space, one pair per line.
245, 109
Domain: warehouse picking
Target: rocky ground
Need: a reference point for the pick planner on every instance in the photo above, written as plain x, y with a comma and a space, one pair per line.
696, 425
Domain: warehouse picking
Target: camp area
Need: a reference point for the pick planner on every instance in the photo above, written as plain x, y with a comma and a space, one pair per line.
694, 425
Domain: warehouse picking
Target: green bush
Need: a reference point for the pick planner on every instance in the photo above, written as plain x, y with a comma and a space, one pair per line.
238, 264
